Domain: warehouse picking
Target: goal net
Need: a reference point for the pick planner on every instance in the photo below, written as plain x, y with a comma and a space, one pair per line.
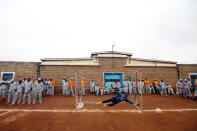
128, 82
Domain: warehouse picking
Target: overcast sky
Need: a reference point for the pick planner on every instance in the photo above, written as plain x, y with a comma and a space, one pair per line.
150, 29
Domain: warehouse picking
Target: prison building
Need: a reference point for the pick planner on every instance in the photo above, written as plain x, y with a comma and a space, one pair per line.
105, 67
108, 67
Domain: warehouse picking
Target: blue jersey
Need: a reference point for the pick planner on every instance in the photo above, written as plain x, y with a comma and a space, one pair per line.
120, 97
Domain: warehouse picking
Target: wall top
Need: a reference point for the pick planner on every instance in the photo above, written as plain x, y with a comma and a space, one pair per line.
150, 60
110, 53
65, 59
93, 61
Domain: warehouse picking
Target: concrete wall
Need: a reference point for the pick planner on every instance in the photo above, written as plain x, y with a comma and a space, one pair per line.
58, 72
96, 73
185, 69
21, 69
33, 70
169, 74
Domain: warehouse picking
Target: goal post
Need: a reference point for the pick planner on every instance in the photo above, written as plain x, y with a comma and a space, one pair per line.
130, 76
79, 75
134, 79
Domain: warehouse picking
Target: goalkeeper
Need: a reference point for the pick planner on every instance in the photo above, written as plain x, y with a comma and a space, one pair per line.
115, 100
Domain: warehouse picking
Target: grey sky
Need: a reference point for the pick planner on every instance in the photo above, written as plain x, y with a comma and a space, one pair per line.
150, 29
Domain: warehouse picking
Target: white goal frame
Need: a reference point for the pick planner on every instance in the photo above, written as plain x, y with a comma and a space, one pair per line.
78, 95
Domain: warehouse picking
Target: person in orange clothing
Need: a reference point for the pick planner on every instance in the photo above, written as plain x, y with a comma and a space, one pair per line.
53, 87
115, 88
116, 85
70, 85
169, 89
195, 93
83, 87
138, 87
146, 86
102, 89
156, 86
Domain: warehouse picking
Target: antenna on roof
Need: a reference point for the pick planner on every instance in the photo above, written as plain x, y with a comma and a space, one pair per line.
113, 47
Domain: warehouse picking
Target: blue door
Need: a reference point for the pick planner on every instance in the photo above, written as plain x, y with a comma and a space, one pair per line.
112, 78
193, 78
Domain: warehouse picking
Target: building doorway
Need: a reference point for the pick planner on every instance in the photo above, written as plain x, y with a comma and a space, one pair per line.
193, 77
112, 78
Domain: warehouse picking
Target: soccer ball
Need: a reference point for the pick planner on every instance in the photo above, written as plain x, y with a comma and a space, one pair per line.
158, 110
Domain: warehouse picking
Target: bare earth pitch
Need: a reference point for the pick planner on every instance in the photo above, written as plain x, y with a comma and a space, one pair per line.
58, 113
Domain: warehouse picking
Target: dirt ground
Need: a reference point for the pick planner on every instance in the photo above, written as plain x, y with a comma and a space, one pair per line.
97, 121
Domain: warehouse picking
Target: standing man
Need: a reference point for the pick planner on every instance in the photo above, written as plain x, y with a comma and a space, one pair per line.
66, 87
190, 84
152, 89
4, 88
195, 93
134, 87
187, 86
92, 87
11, 91
130, 84
53, 87
125, 84
48, 83
143, 87
106, 89
44, 86
163, 88
83, 87
63, 85
38, 91
146, 86
97, 89
140, 85
137, 86
28, 91
49, 87
71, 87
180, 87
156, 86
116, 88
102, 89
19, 92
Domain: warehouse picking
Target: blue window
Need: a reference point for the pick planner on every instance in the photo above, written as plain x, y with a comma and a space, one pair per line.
112, 78
8, 75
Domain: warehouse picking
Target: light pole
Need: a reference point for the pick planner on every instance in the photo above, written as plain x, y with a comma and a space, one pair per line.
113, 55
113, 48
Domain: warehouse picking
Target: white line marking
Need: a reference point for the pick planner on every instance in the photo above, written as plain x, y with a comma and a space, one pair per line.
4, 113
14, 117
96, 110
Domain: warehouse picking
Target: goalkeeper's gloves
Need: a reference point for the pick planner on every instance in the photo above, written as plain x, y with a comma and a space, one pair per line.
99, 103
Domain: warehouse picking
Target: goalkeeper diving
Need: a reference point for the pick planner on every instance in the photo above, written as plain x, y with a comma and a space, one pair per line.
119, 98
